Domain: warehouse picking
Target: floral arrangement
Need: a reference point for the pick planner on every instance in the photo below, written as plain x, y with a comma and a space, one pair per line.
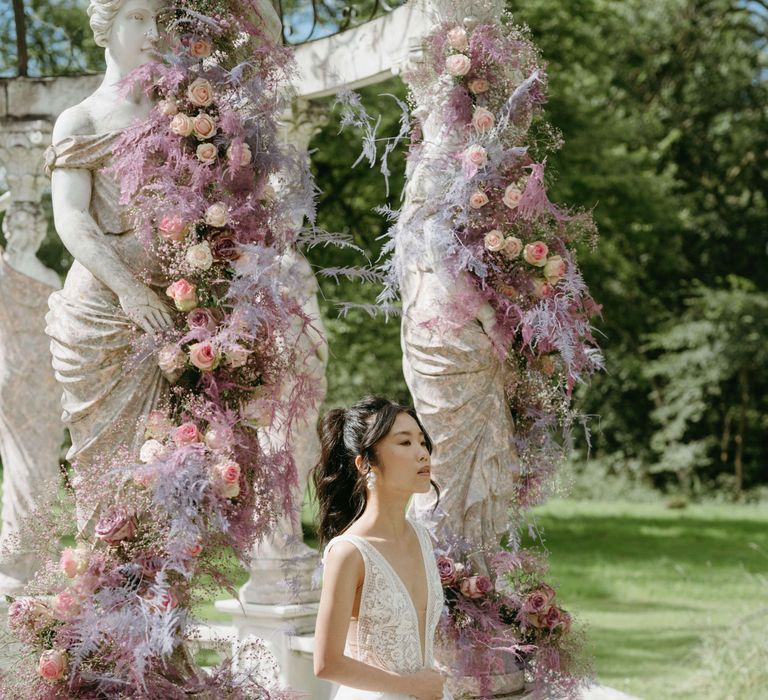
110, 617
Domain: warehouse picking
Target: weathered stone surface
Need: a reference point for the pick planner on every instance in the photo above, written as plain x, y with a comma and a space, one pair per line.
44, 97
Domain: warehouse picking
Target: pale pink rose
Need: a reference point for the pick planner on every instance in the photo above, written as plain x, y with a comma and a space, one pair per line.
554, 269
152, 451
144, 477
494, 241
458, 64
226, 477
219, 437
237, 357
476, 155
204, 356
170, 358
204, 126
181, 124
200, 93
202, 318
186, 434
158, 425
477, 200
115, 525
199, 256
65, 606
200, 48
446, 568
172, 228
245, 154
52, 665
536, 253
483, 120
206, 153
217, 215
542, 289
169, 108
457, 39
476, 586
512, 196
479, 86
257, 412
73, 562
184, 294
513, 246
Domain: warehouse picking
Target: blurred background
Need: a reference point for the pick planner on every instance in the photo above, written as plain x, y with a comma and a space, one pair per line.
660, 538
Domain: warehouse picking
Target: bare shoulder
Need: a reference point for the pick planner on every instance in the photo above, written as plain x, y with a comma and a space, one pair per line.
344, 558
73, 121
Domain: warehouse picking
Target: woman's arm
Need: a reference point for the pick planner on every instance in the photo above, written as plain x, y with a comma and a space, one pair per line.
343, 574
71, 197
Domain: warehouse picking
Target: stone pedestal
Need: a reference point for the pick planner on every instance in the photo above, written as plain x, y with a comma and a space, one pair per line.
288, 632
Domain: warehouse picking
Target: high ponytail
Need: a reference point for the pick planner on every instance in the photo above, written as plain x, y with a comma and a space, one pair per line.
345, 433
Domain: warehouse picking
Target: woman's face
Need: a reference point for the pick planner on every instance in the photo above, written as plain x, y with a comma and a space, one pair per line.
402, 459
133, 35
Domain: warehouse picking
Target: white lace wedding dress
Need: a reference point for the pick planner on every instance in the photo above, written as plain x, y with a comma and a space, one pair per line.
386, 632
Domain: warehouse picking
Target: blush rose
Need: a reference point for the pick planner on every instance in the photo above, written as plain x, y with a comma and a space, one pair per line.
52, 665
200, 93
458, 65
184, 294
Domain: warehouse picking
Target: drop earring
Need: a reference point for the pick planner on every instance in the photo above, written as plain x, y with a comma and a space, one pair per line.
370, 479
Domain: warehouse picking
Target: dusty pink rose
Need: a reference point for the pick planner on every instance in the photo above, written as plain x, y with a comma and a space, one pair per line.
513, 246
554, 269
512, 196
217, 215
172, 228
225, 248
201, 318
200, 48
186, 434
184, 294
478, 199
542, 289
203, 356
206, 153
181, 124
483, 120
152, 451
537, 602
476, 155
226, 477
446, 567
494, 241
478, 86
66, 606
200, 93
73, 562
115, 525
218, 437
458, 64
199, 256
457, 39
170, 358
52, 665
476, 586
157, 425
169, 108
237, 357
245, 154
204, 126
536, 253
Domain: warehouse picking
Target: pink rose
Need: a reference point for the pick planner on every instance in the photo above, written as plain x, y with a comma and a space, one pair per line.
186, 434
458, 64
52, 665
152, 451
536, 253
172, 228
181, 124
169, 108
73, 562
219, 437
206, 153
217, 215
537, 602
483, 120
554, 269
542, 289
115, 525
226, 477
200, 93
512, 196
27, 617
245, 154
199, 256
494, 241
225, 248
478, 85
513, 246
184, 294
476, 586
204, 126
65, 606
201, 318
200, 48
237, 357
170, 359
457, 39
477, 200
446, 567
476, 155
203, 356
157, 424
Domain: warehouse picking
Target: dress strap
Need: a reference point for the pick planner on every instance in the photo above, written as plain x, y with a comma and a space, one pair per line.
356, 540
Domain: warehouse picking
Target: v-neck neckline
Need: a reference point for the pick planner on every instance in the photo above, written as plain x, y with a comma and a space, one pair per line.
422, 642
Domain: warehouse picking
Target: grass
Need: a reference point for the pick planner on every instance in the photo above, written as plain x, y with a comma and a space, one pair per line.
652, 585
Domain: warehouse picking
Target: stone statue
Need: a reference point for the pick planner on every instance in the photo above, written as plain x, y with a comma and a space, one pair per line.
113, 292
30, 428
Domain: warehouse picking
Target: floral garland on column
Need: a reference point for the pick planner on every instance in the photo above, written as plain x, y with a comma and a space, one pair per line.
508, 255
195, 177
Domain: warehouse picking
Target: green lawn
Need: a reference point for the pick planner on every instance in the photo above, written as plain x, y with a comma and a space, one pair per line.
649, 584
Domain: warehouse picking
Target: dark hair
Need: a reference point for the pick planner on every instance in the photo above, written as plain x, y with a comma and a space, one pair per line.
345, 433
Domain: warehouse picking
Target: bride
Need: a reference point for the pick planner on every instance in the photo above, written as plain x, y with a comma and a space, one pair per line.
381, 597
